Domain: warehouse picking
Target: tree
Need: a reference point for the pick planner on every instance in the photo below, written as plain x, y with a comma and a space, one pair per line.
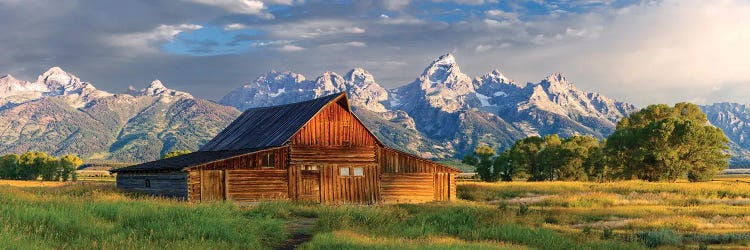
662, 143
175, 153
524, 157
69, 164
572, 154
483, 162
9, 167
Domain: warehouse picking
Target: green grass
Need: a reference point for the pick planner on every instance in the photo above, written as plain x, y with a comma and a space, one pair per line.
519, 215
96, 216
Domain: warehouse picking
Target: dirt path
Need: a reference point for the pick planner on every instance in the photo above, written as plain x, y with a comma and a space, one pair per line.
300, 231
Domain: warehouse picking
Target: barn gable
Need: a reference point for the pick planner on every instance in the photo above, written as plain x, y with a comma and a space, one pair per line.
275, 126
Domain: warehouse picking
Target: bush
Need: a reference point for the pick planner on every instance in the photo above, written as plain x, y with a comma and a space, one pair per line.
663, 237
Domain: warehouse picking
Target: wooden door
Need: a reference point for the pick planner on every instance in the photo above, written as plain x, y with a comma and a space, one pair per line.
309, 188
212, 185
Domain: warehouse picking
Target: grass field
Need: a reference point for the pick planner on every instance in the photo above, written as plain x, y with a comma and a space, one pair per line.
518, 215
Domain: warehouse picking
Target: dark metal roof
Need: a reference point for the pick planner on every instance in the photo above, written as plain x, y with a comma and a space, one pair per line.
181, 162
268, 126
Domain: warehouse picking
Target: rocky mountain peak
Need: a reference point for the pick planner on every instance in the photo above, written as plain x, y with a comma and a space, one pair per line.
60, 82
360, 77
329, 82
157, 88
557, 82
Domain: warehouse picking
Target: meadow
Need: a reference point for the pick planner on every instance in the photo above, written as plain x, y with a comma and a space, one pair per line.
516, 215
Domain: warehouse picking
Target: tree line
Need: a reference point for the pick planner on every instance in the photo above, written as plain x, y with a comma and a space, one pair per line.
657, 143
36, 165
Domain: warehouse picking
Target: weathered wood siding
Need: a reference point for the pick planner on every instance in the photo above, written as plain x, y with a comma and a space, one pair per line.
333, 139
172, 184
409, 179
407, 187
256, 185
334, 126
243, 178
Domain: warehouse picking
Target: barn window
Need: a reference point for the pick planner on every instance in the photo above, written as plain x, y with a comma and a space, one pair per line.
148, 183
312, 168
351, 171
267, 160
344, 171
359, 172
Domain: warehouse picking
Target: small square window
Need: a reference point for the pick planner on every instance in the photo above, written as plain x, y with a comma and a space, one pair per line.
359, 172
344, 171
267, 160
311, 168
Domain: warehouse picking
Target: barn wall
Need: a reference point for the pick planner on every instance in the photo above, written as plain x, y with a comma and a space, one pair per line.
334, 126
256, 185
244, 178
171, 184
333, 139
409, 179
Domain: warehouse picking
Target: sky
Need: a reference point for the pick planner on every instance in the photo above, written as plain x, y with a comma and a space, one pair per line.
641, 52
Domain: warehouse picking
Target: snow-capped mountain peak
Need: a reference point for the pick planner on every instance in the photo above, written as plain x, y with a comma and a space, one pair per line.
329, 83
364, 91
157, 88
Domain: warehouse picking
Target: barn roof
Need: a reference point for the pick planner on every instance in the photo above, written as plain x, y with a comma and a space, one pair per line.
269, 126
182, 162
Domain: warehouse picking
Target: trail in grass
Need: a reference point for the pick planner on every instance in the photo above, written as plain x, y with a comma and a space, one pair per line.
300, 230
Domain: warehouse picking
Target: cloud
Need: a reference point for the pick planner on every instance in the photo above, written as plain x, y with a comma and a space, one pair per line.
248, 7
290, 48
141, 42
395, 4
641, 52
314, 29
343, 45
279, 45
234, 26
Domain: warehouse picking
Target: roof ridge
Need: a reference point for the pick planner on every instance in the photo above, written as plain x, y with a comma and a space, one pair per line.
297, 103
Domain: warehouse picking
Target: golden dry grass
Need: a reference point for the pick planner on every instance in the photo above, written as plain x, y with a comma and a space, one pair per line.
15, 183
711, 208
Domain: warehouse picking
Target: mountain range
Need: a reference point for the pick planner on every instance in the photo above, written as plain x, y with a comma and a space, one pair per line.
442, 114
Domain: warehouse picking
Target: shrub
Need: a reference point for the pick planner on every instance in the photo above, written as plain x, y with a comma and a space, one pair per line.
663, 237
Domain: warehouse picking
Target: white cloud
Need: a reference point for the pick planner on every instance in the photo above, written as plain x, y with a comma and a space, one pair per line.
290, 48
141, 42
279, 45
396, 4
354, 44
314, 28
234, 26
646, 53
248, 7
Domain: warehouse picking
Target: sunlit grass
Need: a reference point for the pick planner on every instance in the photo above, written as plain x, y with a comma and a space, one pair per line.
714, 210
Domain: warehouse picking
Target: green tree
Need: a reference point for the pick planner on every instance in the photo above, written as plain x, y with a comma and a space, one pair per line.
32, 165
9, 167
662, 143
483, 162
572, 154
175, 153
524, 157
69, 164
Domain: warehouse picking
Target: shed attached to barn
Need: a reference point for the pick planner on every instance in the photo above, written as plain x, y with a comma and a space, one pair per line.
316, 151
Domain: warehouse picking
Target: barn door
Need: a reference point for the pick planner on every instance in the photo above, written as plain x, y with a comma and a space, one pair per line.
212, 185
309, 189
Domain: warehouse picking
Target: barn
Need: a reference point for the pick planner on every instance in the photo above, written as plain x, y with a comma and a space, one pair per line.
316, 151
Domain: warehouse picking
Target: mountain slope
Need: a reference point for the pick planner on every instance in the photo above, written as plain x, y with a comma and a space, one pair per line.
61, 114
734, 120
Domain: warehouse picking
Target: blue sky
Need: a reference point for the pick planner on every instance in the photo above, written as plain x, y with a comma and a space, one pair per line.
657, 51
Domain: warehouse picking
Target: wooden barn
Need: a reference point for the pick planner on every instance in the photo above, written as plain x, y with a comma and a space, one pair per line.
316, 151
